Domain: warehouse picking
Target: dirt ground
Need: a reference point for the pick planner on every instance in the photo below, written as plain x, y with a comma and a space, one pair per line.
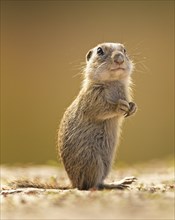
152, 196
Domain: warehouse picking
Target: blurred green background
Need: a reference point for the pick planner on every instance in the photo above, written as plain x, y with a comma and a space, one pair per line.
43, 44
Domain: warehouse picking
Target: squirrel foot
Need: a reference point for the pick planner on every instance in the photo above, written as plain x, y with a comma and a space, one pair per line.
122, 184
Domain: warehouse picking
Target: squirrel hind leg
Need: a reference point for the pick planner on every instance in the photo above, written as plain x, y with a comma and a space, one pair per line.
88, 179
122, 184
85, 182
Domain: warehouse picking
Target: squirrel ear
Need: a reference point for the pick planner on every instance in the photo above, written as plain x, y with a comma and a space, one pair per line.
88, 55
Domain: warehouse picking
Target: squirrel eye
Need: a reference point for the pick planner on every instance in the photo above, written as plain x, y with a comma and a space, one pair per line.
100, 51
124, 50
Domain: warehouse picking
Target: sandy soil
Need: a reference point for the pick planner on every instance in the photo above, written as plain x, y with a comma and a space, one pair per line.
151, 197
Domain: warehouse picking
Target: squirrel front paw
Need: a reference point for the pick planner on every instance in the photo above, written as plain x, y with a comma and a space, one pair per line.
123, 107
132, 109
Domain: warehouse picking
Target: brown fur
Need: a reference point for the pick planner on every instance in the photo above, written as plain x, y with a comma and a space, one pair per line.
90, 128
25, 183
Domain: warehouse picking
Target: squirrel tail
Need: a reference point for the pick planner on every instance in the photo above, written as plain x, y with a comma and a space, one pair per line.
24, 183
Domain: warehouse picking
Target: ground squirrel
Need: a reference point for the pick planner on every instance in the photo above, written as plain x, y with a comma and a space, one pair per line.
90, 128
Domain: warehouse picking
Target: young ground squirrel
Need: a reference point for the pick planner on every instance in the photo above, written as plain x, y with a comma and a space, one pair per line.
90, 128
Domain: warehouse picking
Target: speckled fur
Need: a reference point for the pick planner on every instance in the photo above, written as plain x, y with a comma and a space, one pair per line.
90, 129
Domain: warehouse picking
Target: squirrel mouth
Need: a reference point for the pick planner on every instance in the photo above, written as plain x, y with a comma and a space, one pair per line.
118, 68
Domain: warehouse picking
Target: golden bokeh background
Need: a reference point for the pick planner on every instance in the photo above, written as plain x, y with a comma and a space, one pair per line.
43, 44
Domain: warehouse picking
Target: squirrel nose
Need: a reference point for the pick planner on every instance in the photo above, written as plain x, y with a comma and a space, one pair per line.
119, 58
